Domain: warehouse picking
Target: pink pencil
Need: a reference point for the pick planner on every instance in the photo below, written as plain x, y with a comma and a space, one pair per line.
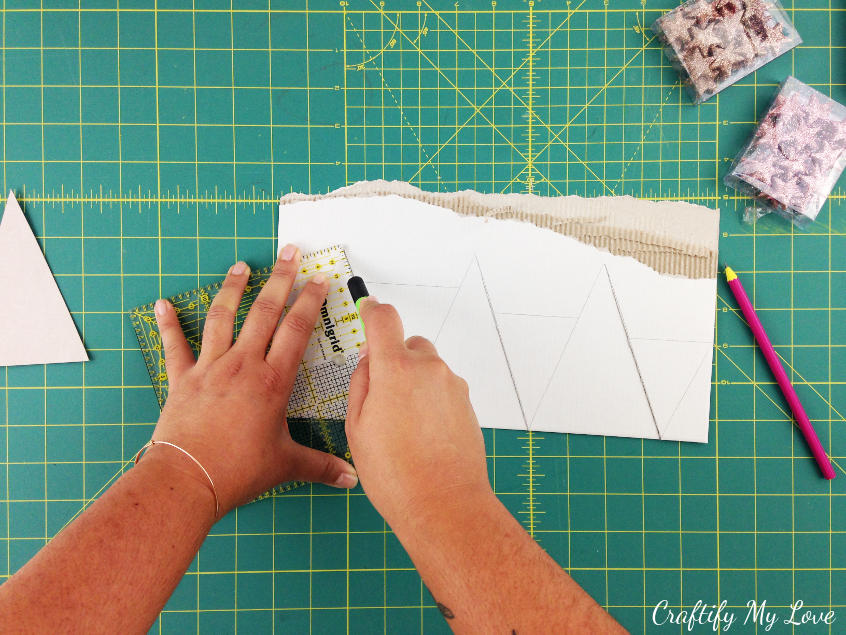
781, 377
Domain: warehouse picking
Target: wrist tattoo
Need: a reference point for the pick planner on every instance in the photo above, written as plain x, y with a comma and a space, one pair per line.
445, 610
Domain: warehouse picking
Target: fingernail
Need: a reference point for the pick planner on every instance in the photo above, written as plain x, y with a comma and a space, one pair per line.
371, 299
363, 351
161, 307
288, 252
318, 279
238, 268
347, 480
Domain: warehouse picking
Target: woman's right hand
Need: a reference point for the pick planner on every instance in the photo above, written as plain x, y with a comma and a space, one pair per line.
412, 432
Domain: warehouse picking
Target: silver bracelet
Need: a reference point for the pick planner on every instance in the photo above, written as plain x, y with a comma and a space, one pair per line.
151, 443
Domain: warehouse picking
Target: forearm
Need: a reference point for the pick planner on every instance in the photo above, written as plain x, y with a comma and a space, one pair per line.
488, 575
115, 566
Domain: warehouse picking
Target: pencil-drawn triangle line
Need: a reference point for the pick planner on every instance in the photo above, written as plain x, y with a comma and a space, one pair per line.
670, 339
501, 345
409, 284
631, 350
705, 357
564, 350
452, 304
537, 315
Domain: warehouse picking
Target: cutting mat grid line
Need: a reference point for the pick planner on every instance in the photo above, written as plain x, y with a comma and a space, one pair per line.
149, 145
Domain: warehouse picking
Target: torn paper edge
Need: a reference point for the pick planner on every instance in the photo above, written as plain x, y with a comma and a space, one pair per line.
671, 237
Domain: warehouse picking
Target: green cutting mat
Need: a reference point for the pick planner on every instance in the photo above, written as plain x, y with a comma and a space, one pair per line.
149, 145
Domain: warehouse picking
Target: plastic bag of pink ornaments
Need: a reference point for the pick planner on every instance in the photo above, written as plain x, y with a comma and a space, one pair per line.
714, 43
795, 156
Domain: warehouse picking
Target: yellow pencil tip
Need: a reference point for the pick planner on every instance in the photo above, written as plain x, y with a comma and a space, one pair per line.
730, 274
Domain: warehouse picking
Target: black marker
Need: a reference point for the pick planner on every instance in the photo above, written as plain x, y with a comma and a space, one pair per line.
358, 292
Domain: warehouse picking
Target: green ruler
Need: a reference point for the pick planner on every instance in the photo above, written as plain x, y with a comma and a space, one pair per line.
317, 406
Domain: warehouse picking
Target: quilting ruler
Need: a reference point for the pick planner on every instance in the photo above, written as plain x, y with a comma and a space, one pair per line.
318, 402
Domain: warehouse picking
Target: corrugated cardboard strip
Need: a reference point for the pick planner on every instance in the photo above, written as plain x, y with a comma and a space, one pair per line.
671, 237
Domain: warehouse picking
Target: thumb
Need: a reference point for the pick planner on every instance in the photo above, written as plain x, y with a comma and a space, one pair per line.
319, 467
359, 387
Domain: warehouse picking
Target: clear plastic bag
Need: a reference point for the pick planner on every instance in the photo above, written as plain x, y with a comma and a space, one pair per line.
714, 43
795, 155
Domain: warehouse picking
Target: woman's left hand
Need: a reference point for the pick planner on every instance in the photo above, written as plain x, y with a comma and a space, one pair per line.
227, 408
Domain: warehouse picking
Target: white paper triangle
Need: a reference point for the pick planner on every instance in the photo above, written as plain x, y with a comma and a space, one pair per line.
656, 306
515, 255
692, 416
470, 343
667, 369
533, 344
596, 383
36, 324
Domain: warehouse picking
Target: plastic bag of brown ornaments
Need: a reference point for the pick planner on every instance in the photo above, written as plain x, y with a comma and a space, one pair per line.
714, 43
795, 156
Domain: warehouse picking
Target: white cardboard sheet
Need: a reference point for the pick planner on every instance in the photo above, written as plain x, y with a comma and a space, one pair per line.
551, 334
36, 324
